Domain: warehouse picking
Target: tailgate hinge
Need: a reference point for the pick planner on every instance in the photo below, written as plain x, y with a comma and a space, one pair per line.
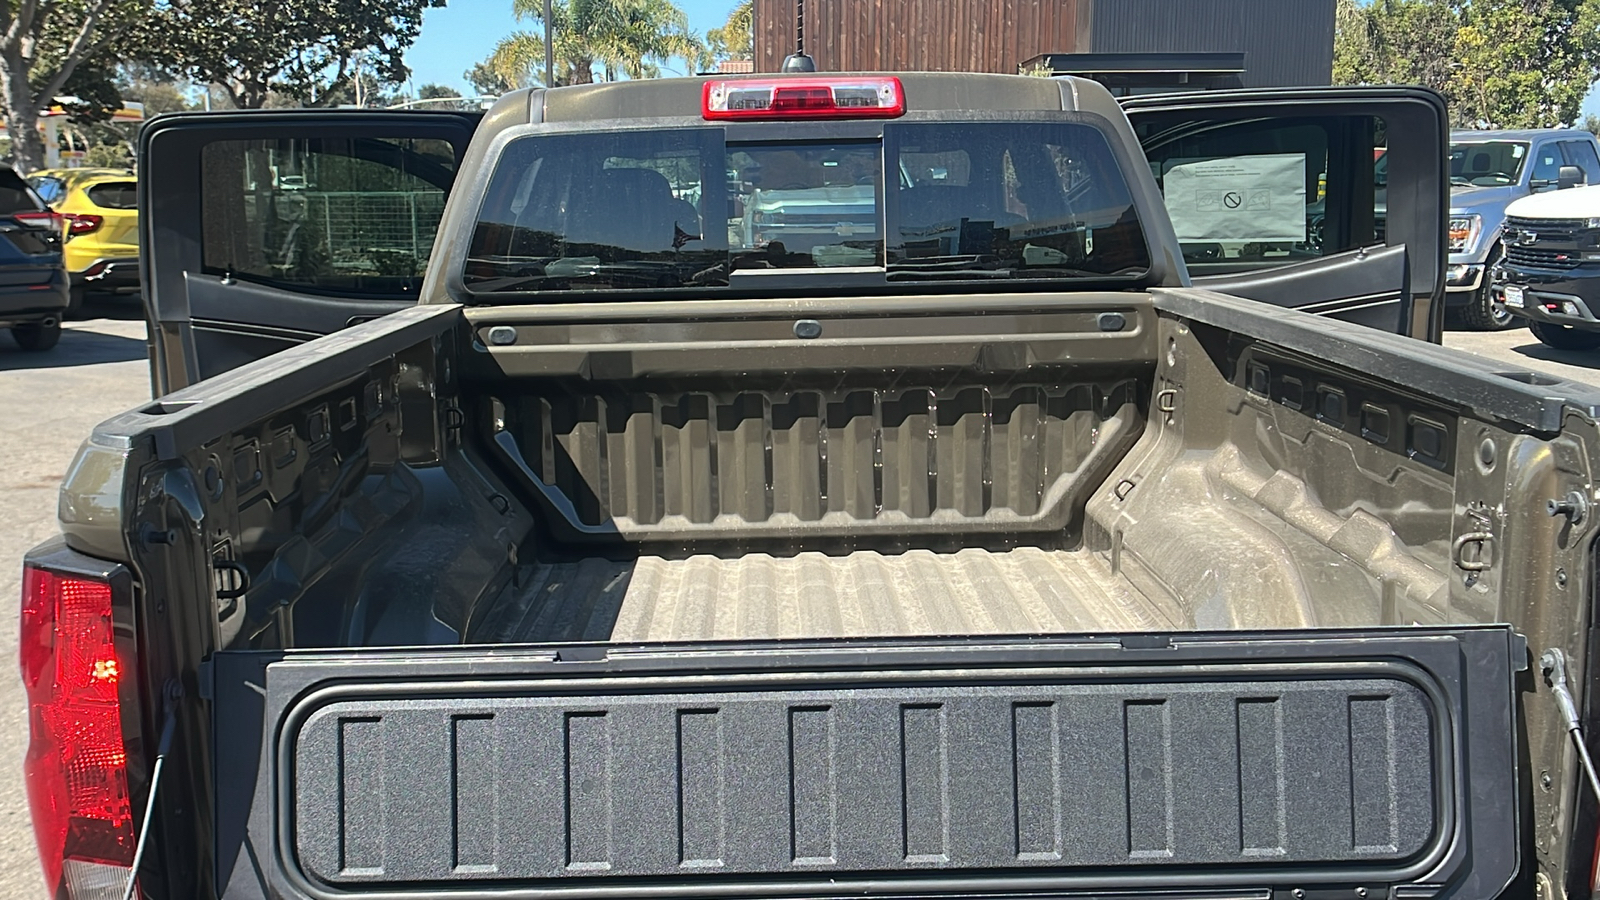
1554, 664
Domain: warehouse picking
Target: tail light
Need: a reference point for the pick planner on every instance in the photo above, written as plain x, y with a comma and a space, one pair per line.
47, 219
848, 97
83, 223
77, 765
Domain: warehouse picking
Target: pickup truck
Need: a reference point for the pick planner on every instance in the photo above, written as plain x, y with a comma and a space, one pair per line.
528, 510
1548, 277
1490, 170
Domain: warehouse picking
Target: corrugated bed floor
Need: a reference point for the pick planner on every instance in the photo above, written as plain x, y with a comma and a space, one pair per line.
866, 593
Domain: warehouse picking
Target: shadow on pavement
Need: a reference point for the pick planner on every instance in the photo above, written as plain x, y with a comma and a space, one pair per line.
79, 346
1583, 359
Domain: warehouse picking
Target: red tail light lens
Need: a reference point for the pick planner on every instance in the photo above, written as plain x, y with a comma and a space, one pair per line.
76, 767
804, 98
53, 221
83, 223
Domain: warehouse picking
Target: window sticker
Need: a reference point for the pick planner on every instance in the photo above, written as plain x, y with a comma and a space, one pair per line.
1238, 198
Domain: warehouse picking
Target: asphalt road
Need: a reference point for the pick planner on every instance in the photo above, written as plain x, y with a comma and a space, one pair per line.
1518, 347
48, 404
50, 401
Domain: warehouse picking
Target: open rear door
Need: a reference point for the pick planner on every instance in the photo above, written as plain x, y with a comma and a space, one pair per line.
1379, 763
265, 229
1283, 197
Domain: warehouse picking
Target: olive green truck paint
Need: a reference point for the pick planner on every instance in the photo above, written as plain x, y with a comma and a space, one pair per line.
1063, 574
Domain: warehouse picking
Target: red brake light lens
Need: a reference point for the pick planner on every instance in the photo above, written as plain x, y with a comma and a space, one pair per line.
804, 98
43, 219
77, 766
82, 223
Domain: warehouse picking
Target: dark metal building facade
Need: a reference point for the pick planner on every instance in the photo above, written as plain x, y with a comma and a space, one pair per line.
1283, 42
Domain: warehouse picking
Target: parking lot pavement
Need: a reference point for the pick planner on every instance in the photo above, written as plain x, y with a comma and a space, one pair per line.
1519, 348
49, 402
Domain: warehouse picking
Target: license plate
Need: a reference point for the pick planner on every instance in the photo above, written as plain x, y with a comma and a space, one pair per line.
1514, 296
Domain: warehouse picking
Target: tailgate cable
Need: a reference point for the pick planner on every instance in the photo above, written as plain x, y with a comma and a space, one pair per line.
1554, 664
171, 695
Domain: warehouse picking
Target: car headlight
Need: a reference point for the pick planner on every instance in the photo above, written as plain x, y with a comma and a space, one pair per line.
1464, 232
1592, 223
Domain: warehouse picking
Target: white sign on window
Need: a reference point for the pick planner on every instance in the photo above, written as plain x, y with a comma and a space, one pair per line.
1238, 198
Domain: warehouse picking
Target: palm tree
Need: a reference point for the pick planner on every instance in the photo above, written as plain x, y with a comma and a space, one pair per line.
734, 39
634, 37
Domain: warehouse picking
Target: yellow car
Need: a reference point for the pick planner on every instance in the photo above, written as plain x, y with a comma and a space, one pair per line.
100, 208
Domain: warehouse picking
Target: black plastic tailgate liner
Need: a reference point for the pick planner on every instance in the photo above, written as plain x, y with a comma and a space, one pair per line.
1234, 761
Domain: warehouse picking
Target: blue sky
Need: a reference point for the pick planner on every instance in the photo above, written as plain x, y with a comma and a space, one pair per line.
458, 35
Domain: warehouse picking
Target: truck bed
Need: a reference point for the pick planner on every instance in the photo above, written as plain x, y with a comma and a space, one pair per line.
866, 593
900, 611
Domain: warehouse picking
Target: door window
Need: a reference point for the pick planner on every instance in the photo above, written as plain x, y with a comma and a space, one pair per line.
1260, 193
1547, 163
356, 217
1582, 155
49, 189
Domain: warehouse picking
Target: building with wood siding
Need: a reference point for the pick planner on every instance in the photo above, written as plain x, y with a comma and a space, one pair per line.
1174, 43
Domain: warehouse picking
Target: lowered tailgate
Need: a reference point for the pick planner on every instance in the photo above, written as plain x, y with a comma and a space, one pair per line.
1314, 762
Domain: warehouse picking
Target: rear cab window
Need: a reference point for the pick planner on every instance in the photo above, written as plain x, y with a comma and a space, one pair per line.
688, 209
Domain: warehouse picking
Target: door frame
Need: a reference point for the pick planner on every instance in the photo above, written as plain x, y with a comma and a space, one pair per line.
1416, 123
171, 231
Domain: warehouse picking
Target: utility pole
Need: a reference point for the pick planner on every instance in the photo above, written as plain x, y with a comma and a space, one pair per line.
549, 48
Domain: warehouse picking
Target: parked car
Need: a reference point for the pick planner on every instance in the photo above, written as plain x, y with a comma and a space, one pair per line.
1550, 274
1489, 170
102, 227
33, 280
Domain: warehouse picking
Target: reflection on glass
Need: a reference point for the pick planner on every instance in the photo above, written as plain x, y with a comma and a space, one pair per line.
682, 209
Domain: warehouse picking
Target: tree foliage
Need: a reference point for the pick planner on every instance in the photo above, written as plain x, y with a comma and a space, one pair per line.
736, 38
157, 91
605, 37
43, 46
1526, 63
310, 50
487, 80
1500, 63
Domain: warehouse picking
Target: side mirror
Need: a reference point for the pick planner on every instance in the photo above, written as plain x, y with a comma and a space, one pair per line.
1571, 177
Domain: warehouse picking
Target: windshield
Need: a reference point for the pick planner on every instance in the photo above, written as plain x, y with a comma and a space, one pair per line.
680, 209
1487, 163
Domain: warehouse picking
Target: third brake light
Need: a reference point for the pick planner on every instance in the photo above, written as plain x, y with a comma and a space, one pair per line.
854, 97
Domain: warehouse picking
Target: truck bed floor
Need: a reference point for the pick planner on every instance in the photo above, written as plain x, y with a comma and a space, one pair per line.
813, 595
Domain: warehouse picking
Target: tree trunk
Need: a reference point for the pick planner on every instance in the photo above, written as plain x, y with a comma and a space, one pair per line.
21, 111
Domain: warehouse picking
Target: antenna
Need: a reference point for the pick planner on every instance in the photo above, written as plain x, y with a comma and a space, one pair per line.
798, 61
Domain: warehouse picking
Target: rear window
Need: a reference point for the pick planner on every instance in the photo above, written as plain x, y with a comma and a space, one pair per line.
653, 210
15, 195
115, 195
